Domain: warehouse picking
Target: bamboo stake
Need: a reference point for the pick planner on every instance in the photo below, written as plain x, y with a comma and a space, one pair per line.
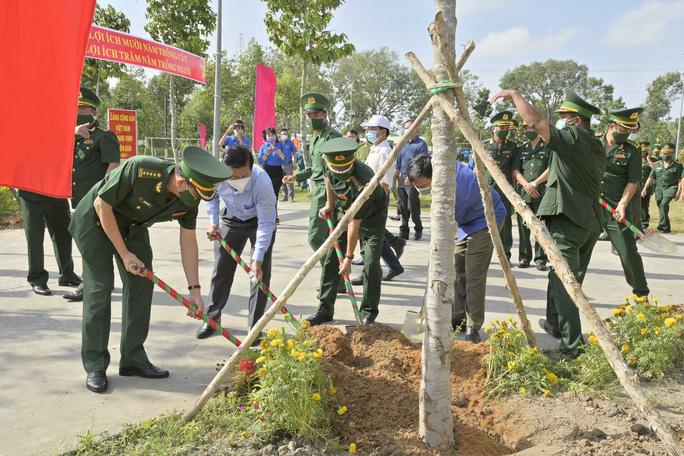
222, 376
626, 376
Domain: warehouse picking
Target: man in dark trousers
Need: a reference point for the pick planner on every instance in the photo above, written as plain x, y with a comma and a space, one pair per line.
409, 202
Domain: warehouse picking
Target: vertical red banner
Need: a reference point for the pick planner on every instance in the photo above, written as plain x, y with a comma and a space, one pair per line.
42, 52
202, 135
264, 102
124, 124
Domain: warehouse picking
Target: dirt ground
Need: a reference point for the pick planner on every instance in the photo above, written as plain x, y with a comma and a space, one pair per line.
376, 371
11, 221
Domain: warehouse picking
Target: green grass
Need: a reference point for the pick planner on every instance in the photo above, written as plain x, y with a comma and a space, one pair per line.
8, 204
676, 215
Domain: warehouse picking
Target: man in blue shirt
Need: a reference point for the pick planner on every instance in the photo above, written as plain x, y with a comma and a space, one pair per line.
473, 249
249, 213
235, 136
289, 149
409, 203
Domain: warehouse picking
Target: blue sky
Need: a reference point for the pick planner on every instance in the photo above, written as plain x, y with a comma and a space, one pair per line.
628, 43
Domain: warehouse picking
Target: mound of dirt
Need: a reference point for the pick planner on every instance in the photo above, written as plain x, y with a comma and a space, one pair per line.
376, 371
11, 221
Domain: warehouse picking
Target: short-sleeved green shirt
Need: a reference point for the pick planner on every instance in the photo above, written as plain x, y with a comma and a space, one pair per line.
576, 169
645, 173
374, 211
667, 179
623, 166
137, 193
504, 157
92, 156
531, 162
317, 165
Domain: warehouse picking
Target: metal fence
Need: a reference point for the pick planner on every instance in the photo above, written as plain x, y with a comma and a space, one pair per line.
161, 147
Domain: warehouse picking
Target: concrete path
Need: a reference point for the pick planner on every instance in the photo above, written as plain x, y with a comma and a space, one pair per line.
44, 405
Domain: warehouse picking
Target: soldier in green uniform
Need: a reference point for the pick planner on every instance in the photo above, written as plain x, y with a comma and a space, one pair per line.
530, 171
645, 172
668, 175
656, 152
570, 203
111, 221
345, 178
96, 152
620, 183
316, 106
502, 151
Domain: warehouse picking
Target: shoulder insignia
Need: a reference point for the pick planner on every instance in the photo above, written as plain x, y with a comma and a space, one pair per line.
632, 143
147, 173
157, 188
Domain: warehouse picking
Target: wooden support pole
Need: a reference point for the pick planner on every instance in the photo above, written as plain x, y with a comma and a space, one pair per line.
626, 376
222, 376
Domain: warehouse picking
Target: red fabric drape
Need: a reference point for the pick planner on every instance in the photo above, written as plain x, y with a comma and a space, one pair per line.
264, 102
41, 58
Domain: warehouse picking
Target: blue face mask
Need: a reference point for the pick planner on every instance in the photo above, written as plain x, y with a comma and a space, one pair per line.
371, 136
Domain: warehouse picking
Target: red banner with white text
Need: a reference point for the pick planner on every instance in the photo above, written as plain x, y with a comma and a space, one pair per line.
264, 102
124, 124
115, 46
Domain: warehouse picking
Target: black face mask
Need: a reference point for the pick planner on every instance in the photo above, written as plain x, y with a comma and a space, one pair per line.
82, 119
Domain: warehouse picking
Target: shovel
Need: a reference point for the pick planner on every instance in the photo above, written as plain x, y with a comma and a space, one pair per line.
650, 239
414, 322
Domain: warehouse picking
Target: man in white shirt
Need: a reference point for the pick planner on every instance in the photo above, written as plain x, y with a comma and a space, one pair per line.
377, 131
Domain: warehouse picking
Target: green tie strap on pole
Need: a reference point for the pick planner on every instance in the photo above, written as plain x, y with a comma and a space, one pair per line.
347, 282
651, 240
443, 87
190, 306
238, 259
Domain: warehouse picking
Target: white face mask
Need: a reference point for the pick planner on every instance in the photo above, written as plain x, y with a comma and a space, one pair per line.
425, 190
560, 124
239, 184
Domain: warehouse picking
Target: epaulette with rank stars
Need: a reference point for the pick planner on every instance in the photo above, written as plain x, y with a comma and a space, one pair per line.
146, 173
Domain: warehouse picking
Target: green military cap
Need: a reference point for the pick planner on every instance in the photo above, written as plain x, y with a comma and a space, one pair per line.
515, 124
656, 148
644, 145
667, 148
628, 118
502, 118
203, 171
87, 97
573, 103
315, 102
339, 154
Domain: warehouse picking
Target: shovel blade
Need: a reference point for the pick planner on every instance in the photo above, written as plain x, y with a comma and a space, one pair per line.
656, 243
413, 327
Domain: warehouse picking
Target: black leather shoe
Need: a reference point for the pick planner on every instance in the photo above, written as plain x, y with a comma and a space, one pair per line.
472, 335
549, 328
97, 382
357, 280
42, 290
74, 296
205, 331
524, 264
318, 319
369, 321
358, 262
69, 282
144, 370
399, 247
418, 235
392, 274
542, 267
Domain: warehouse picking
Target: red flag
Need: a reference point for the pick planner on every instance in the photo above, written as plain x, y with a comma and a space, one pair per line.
264, 102
42, 58
203, 135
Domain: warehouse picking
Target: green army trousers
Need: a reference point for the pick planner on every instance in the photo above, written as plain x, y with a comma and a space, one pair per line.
664, 209
525, 243
136, 300
54, 214
624, 242
645, 216
576, 244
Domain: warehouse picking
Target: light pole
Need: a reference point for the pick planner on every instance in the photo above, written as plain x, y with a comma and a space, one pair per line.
679, 120
217, 85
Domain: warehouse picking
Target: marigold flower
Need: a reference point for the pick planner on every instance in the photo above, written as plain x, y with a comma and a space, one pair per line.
352, 448
679, 316
290, 343
626, 347
263, 344
273, 333
277, 343
260, 359
617, 312
306, 324
332, 391
628, 309
670, 322
656, 330
641, 317
644, 331
318, 353
511, 365
593, 340
522, 390
316, 397
548, 393
487, 329
552, 378
342, 410
261, 372
632, 361
301, 356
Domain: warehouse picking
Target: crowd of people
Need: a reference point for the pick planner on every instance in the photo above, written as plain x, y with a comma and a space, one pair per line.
561, 171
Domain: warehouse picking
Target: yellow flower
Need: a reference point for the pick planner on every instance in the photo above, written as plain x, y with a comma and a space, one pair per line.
263, 344
552, 378
301, 356
332, 391
352, 448
626, 347
522, 390
342, 410
656, 301
644, 331
679, 316
290, 343
316, 397
286, 316
628, 309
487, 329
277, 343
306, 324
632, 361
273, 333
261, 372
656, 330
641, 317
510, 354
511, 365
260, 359
318, 353
548, 393
670, 322
534, 350
617, 312
593, 340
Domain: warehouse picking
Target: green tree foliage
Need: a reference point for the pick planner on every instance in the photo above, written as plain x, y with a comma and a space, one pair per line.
655, 121
96, 72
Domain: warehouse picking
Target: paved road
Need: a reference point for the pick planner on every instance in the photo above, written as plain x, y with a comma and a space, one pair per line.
44, 405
